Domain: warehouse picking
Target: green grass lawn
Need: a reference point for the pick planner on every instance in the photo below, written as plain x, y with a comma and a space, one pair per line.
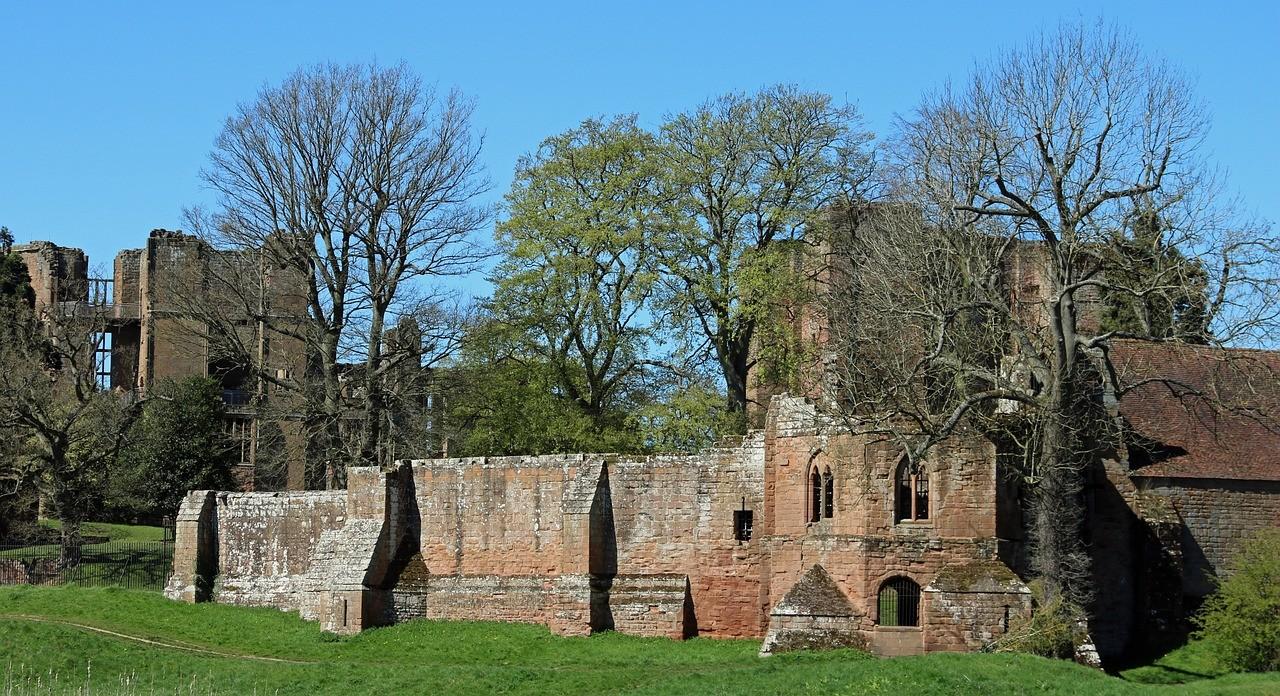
114, 532
466, 657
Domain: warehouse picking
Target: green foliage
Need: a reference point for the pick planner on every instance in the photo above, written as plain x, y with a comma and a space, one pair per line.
577, 263
777, 278
1241, 621
688, 418
1156, 290
15, 282
745, 173
474, 657
1053, 630
177, 445
512, 406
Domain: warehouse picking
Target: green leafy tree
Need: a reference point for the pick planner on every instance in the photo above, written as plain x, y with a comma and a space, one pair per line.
1242, 619
177, 445
747, 172
1154, 289
578, 265
502, 401
51, 402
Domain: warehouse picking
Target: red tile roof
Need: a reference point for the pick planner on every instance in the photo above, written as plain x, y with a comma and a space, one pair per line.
1216, 411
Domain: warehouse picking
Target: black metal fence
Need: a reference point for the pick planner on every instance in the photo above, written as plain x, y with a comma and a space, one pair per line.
131, 564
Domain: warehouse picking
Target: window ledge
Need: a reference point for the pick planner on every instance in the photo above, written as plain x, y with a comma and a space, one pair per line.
897, 629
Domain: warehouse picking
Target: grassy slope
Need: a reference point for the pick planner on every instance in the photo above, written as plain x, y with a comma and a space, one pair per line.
423, 657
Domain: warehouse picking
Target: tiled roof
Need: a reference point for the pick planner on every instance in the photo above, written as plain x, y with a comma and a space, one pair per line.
1208, 412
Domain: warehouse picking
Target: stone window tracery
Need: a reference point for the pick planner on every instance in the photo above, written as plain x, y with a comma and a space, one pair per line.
911, 493
821, 494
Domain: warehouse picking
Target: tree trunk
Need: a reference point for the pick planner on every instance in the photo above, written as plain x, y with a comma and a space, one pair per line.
374, 407
69, 556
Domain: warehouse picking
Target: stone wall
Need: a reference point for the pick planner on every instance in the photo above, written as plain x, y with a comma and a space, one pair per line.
645, 545
654, 546
1218, 515
266, 540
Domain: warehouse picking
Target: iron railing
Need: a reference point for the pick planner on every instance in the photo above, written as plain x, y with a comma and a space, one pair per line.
131, 564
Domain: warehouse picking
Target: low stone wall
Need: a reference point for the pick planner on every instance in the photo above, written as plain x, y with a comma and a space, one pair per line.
970, 605
258, 546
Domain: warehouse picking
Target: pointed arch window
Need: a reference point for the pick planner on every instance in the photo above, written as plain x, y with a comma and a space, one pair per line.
822, 498
815, 495
911, 493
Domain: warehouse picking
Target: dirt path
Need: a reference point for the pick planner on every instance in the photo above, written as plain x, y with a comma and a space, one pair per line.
148, 641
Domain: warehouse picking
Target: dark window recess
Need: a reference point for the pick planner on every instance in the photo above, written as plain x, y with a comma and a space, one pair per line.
911, 494
742, 522
828, 494
815, 495
898, 603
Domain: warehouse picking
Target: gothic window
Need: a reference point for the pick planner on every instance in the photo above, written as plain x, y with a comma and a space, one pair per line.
822, 496
898, 603
815, 495
828, 494
911, 493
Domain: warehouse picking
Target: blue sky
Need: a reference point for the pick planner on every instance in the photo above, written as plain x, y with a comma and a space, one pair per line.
108, 109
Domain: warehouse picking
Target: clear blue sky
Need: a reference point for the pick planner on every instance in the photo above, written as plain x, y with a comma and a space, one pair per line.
108, 109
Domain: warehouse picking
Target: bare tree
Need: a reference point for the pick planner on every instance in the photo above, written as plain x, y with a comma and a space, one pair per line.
978, 301
345, 191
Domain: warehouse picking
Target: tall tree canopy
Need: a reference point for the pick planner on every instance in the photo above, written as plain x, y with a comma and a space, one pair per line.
744, 173
578, 265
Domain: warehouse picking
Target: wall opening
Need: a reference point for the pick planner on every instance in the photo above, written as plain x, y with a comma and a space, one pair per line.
898, 603
911, 493
742, 524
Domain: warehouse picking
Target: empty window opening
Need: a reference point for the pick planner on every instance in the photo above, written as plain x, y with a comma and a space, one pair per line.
742, 523
240, 431
102, 359
828, 494
101, 291
912, 493
898, 603
815, 495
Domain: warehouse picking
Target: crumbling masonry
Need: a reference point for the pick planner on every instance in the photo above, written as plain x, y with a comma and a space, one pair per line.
801, 534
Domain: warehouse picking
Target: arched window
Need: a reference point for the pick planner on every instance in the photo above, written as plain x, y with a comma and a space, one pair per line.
898, 603
828, 494
822, 494
815, 495
911, 493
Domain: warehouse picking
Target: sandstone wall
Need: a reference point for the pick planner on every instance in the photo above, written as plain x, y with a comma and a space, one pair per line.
590, 542
266, 540
1218, 516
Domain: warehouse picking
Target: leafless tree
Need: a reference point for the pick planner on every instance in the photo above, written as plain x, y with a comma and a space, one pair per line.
1062, 179
346, 193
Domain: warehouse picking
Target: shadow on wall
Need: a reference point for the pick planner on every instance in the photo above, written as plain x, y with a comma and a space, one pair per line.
603, 554
403, 542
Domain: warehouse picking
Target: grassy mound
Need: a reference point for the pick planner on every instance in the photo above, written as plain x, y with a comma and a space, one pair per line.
466, 657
